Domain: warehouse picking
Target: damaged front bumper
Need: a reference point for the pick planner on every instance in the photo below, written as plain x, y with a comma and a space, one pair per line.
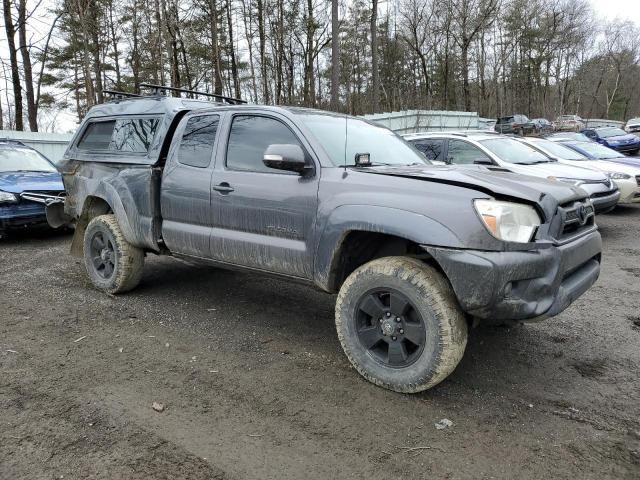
521, 285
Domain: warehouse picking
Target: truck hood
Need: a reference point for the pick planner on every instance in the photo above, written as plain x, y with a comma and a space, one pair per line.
19, 182
556, 169
493, 183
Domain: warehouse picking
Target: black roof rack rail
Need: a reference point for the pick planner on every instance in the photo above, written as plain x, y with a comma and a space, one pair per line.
118, 94
160, 88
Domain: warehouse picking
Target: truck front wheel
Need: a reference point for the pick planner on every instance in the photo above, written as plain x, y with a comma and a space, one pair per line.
400, 325
113, 265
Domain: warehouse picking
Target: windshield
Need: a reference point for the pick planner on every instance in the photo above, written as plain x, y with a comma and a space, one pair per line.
16, 159
558, 150
383, 146
610, 132
512, 151
598, 151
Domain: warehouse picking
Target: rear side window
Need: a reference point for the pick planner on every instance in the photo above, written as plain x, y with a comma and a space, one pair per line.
431, 148
133, 135
196, 145
249, 138
97, 136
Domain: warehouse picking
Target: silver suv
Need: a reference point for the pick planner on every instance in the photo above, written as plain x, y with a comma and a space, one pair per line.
500, 152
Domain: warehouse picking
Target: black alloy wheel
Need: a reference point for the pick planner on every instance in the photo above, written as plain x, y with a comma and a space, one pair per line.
390, 328
103, 254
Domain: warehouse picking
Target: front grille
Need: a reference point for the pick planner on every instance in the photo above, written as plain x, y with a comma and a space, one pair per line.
42, 196
574, 218
603, 194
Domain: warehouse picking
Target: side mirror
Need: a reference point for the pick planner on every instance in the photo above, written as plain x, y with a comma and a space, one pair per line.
286, 157
482, 161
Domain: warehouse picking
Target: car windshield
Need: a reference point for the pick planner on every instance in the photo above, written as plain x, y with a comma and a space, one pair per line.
512, 151
597, 151
610, 132
16, 159
344, 137
634, 120
558, 150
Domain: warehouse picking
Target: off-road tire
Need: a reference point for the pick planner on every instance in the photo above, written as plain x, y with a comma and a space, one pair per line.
432, 296
128, 262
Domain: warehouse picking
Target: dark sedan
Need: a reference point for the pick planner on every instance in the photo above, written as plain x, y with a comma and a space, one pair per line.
27, 181
614, 138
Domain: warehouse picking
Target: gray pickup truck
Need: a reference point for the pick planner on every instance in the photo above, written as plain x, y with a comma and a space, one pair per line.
414, 251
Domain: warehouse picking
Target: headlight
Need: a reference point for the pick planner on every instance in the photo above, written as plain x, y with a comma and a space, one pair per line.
618, 176
573, 181
511, 222
6, 197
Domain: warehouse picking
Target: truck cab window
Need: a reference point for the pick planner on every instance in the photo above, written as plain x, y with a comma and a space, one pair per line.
249, 138
196, 145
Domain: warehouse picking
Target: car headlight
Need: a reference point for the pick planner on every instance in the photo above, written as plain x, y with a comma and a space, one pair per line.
508, 221
6, 197
618, 176
573, 181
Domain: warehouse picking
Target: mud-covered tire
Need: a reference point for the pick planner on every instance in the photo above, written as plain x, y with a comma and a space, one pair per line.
122, 263
430, 297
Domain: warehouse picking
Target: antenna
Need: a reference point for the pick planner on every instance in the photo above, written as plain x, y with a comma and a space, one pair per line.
346, 126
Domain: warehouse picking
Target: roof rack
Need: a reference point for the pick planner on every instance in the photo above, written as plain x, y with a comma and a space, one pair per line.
117, 94
157, 89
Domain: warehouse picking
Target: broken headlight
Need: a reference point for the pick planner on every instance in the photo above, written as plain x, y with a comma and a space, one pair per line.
6, 197
508, 221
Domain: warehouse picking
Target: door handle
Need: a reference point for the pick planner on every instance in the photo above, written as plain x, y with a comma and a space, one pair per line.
223, 188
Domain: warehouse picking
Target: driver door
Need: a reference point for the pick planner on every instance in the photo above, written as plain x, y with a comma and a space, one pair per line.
262, 218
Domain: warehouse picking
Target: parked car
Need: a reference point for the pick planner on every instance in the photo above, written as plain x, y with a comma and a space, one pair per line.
508, 154
26, 179
569, 123
568, 136
600, 152
542, 126
411, 249
515, 124
614, 138
633, 126
626, 177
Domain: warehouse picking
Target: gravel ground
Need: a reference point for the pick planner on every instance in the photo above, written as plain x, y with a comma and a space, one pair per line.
254, 384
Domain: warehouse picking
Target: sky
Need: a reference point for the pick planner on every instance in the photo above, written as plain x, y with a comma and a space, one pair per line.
622, 9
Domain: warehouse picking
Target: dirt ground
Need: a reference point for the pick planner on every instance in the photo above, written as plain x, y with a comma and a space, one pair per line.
255, 385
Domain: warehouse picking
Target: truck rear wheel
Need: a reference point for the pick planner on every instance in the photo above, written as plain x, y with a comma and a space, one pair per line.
400, 325
113, 265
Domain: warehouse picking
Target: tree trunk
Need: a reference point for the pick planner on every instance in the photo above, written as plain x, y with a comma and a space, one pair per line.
262, 47
13, 58
335, 55
32, 114
232, 50
375, 94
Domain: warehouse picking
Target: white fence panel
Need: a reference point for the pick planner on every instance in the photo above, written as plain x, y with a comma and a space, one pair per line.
51, 145
412, 121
